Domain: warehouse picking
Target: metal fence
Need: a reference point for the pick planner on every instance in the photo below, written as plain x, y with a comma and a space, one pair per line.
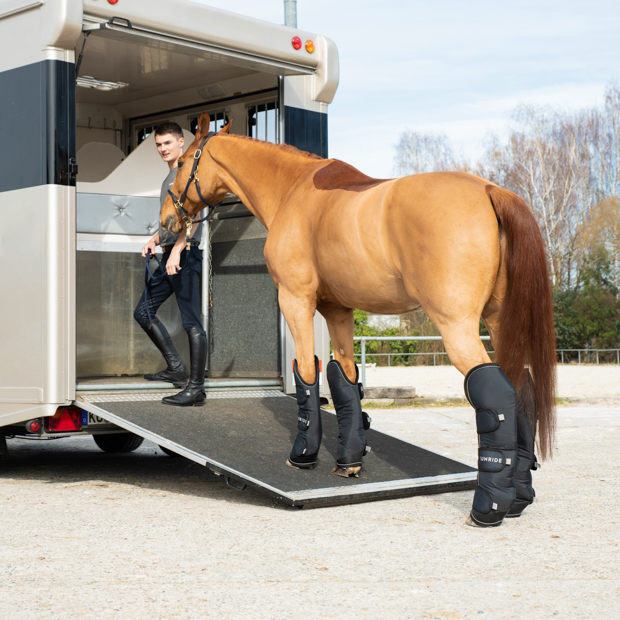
365, 339
581, 356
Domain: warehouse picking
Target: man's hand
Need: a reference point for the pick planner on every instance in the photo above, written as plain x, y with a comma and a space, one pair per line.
149, 247
174, 262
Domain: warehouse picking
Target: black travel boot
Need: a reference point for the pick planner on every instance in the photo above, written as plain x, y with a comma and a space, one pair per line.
194, 393
526, 459
495, 400
305, 452
352, 421
176, 372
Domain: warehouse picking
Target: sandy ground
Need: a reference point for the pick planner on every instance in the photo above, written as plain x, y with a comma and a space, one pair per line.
86, 534
582, 382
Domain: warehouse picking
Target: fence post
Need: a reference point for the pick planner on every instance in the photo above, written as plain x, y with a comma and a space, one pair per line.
579, 356
597, 356
617, 356
562, 354
363, 362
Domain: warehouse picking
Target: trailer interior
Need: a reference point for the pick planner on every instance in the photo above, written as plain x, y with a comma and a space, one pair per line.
127, 84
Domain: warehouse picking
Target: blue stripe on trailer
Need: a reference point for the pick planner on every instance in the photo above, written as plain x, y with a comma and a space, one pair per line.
37, 120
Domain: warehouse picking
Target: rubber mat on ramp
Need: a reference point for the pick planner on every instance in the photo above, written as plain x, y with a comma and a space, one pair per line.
247, 437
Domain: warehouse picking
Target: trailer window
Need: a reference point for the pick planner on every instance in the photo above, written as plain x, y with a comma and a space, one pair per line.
263, 121
143, 133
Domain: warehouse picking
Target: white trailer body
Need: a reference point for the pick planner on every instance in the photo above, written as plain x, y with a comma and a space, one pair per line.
140, 62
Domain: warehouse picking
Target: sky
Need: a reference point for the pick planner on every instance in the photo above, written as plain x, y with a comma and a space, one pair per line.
453, 67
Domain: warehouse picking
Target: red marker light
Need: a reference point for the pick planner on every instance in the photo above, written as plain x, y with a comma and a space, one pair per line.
34, 426
112, 1
296, 41
310, 46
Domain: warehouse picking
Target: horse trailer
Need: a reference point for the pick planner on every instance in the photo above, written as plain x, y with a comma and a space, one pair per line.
83, 84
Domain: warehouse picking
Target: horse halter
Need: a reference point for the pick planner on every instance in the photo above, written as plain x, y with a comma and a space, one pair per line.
178, 202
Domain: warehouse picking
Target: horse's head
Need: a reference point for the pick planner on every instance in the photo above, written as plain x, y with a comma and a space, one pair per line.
210, 185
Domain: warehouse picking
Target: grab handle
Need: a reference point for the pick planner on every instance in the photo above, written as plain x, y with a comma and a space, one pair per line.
123, 19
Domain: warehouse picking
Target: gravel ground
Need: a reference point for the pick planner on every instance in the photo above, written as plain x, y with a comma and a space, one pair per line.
91, 535
583, 382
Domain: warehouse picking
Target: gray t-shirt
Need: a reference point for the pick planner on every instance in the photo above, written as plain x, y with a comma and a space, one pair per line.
165, 237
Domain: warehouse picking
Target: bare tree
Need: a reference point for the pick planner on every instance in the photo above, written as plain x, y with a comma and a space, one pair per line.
602, 229
605, 144
565, 166
419, 152
547, 162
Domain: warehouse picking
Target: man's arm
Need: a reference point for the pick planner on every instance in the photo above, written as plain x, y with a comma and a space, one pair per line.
174, 262
151, 245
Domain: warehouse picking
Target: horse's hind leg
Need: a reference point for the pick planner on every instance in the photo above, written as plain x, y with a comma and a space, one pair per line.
343, 377
495, 400
299, 312
526, 426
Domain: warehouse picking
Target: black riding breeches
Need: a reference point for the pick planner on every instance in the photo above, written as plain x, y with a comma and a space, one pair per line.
185, 285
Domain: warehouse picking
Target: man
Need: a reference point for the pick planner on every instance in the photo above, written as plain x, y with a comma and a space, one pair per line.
183, 281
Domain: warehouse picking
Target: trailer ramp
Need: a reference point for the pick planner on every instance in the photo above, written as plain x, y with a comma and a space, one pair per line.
246, 436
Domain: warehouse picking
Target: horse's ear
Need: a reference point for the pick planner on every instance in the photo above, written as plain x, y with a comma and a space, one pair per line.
226, 128
203, 125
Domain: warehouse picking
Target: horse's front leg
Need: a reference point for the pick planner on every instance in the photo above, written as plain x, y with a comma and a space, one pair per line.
298, 310
346, 391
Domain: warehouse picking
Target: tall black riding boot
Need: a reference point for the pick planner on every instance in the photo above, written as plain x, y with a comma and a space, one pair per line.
526, 459
352, 421
176, 372
194, 393
495, 400
305, 452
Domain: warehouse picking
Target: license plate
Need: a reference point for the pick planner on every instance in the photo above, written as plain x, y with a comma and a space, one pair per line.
90, 419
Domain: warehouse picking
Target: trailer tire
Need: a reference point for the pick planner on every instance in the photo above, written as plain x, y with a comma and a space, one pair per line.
118, 442
169, 452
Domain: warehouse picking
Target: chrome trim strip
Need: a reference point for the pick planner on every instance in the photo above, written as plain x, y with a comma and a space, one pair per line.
19, 6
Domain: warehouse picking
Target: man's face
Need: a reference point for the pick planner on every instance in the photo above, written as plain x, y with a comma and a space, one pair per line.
169, 147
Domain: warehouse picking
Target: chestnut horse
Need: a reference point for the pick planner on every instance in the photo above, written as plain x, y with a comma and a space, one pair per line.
452, 244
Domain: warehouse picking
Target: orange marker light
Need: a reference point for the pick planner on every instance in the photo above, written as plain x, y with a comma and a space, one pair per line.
310, 46
296, 41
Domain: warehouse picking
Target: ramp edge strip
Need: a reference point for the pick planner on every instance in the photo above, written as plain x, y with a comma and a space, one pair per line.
394, 485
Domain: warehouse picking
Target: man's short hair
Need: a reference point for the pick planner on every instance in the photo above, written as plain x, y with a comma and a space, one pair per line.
169, 127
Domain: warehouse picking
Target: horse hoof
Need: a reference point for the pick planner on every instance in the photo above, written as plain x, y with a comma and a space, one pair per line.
311, 466
469, 521
347, 472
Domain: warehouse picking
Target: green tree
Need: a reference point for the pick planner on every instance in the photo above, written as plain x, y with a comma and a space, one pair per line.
588, 315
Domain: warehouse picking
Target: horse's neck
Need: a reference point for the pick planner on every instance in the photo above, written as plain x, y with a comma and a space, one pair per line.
260, 174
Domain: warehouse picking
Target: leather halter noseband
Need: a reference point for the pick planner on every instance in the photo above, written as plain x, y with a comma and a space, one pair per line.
178, 202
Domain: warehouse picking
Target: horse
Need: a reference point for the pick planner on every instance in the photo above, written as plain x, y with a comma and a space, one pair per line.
452, 244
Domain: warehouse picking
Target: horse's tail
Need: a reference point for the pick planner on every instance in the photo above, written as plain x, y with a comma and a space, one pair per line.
526, 331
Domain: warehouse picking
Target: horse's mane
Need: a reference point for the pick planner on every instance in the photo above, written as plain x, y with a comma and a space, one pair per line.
287, 148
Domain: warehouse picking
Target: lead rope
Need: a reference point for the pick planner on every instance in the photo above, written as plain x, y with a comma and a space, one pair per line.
210, 256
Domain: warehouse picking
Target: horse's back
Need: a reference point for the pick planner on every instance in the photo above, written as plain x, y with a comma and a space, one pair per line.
443, 237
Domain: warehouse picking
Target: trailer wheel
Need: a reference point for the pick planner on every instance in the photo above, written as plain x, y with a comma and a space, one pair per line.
118, 442
168, 452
